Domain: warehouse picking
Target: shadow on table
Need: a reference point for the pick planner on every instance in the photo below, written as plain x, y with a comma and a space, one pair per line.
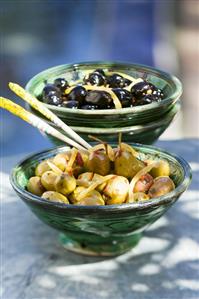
165, 263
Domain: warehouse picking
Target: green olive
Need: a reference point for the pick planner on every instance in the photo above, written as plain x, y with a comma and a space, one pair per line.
77, 170
116, 190
48, 180
138, 196
127, 165
144, 183
161, 186
60, 160
162, 170
86, 176
55, 196
96, 178
74, 195
65, 183
35, 186
93, 198
98, 162
41, 168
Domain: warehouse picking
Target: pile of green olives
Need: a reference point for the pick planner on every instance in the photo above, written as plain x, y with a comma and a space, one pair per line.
101, 90
101, 175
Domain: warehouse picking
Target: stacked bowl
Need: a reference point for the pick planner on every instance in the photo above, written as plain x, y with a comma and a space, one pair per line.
142, 124
110, 228
100, 230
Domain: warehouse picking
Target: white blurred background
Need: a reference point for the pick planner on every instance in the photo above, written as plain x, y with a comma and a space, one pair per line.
177, 51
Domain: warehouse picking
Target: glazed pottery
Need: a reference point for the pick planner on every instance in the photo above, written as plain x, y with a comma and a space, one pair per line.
110, 118
146, 134
101, 230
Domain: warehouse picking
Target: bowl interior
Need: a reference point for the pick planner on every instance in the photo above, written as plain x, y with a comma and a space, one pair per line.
180, 173
170, 85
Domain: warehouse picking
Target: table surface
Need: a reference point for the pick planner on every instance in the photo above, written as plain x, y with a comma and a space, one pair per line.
165, 264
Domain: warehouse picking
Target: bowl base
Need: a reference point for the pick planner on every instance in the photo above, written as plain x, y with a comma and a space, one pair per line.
109, 249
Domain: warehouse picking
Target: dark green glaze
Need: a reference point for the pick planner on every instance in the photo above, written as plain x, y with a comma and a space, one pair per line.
146, 134
101, 230
110, 118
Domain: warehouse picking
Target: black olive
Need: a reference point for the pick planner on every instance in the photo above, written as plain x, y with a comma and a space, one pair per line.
142, 88
70, 104
64, 98
158, 93
115, 81
143, 101
52, 99
155, 98
147, 99
110, 106
127, 82
100, 71
78, 93
124, 96
100, 98
96, 79
50, 89
89, 107
61, 83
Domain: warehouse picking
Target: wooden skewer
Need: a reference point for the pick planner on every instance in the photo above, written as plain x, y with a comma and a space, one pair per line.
120, 139
36, 121
96, 139
108, 149
36, 104
99, 140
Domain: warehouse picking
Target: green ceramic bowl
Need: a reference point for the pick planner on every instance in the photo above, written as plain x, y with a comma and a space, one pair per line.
101, 230
146, 134
110, 118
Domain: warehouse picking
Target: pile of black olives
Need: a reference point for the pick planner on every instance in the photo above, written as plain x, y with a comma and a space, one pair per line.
98, 89
100, 176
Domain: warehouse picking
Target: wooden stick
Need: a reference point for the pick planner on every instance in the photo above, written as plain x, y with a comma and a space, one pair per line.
109, 150
36, 104
96, 139
119, 139
36, 121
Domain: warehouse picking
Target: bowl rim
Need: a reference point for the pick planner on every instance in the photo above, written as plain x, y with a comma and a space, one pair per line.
137, 109
149, 126
152, 203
